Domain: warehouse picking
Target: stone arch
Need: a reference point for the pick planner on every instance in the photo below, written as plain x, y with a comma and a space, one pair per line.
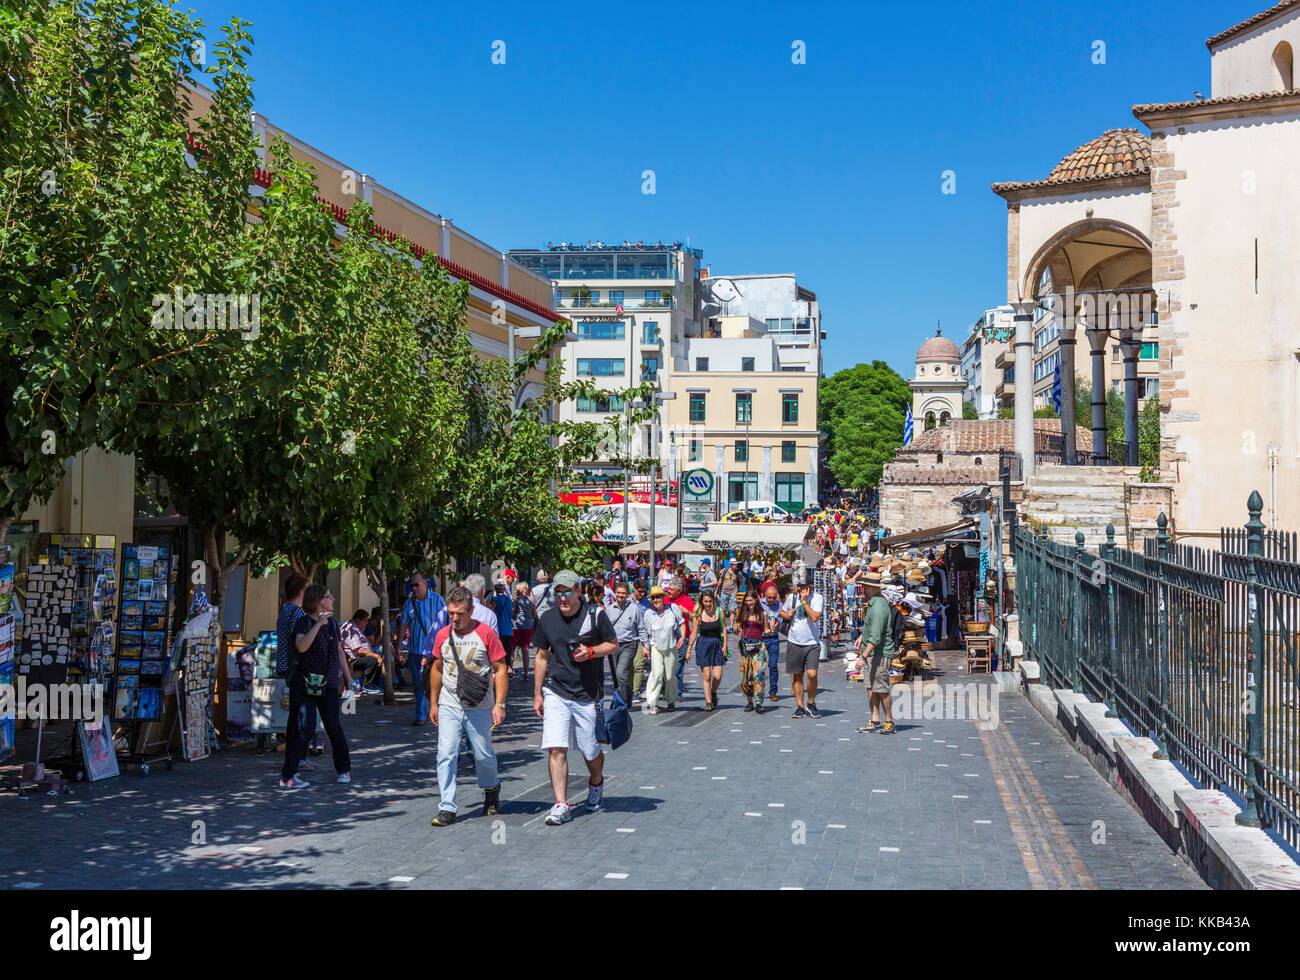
1062, 274
1283, 67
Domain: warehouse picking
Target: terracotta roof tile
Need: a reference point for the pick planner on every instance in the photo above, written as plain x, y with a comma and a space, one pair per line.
1115, 153
988, 436
1256, 97
1250, 22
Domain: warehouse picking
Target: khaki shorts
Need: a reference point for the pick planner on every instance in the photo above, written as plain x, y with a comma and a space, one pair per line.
878, 674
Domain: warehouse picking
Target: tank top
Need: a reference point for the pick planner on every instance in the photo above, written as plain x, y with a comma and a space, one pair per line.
711, 629
752, 629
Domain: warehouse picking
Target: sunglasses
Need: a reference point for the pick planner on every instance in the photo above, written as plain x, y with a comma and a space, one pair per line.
563, 593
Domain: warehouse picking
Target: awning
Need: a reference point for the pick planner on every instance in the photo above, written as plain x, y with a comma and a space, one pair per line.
927, 535
665, 544
726, 535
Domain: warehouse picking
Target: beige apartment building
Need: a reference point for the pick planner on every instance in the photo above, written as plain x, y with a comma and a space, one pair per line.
98, 493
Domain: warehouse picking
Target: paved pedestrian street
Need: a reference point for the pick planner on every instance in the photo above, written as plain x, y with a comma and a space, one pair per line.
696, 800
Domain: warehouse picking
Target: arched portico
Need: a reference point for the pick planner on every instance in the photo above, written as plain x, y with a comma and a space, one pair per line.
1082, 236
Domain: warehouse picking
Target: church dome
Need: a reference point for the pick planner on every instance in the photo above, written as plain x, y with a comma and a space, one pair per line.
1114, 153
939, 348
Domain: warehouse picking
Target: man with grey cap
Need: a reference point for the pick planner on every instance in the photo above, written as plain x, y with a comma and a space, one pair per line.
876, 652
572, 640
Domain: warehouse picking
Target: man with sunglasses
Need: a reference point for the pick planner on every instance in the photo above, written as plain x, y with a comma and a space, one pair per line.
571, 639
423, 614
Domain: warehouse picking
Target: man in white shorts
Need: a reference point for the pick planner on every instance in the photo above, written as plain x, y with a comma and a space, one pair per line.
572, 640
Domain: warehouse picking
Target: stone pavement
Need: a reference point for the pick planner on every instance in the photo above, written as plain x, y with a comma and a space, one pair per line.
695, 800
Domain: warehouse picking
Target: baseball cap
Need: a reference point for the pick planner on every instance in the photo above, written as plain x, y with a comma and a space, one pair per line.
566, 578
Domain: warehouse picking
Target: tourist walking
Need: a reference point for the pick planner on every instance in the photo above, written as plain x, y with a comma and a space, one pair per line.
423, 614
625, 616
314, 681
708, 646
286, 656
803, 611
468, 681
771, 606
728, 587
641, 596
483, 613
571, 641
543, 598
675, 595
876, 652
753, 653
503, 608
524, 618
665, 636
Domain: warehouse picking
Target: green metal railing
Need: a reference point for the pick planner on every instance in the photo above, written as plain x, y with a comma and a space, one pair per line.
1193, 647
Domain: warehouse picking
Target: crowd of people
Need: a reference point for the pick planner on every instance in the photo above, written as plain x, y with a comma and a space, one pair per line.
460, 654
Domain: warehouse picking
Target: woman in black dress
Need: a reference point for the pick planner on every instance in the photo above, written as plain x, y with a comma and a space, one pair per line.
707, 646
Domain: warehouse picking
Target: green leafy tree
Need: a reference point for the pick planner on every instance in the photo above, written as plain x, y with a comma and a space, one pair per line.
102, 213
969, 411
862, 410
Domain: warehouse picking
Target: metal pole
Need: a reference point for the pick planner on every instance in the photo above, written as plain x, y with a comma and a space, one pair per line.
654, 473
627, 481
1253, 813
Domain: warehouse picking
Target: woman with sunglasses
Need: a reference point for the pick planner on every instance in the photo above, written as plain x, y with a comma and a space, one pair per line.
707, 646
315, 681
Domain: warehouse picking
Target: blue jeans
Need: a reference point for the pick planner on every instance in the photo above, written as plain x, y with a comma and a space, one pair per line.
773, 644
417, 685
681, 666
453, 720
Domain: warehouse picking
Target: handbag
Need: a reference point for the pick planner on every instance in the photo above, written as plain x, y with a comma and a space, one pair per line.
471, 686
613, 725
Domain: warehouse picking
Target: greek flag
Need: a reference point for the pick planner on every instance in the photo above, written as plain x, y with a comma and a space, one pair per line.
907, 427
1056, 389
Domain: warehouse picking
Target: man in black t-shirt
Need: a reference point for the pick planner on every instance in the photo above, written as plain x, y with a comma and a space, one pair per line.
571, 639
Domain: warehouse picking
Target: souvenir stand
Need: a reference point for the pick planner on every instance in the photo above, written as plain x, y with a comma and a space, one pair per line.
196, 673
143, 654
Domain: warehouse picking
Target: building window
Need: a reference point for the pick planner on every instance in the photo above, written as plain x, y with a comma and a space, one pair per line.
744, 408
787, 452
600, 403
790, 407
746, 364
1283, 68
694, 451
742, 451
600, 367
1151, 388
790, 491
616, 297
697, 406
741, 486
600, 330
929, 421
595, 297
944, 417
1150, 352
649, 368
649, 331
652, 297
798, 367
701, 364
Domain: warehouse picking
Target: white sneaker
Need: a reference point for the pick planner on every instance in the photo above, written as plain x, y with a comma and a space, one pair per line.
294, 783
595, 795
559, 814
344, 777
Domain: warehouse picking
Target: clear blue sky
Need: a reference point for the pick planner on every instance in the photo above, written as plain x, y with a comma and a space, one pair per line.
831, 169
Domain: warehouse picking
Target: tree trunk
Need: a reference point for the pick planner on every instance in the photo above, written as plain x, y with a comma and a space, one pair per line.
218, 571
442, 564
377, 575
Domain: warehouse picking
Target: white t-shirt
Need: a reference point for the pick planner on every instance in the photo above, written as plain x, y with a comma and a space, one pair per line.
803, 631
478, 650
661, 627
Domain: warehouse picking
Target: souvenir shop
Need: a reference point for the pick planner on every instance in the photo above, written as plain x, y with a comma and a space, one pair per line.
109, 660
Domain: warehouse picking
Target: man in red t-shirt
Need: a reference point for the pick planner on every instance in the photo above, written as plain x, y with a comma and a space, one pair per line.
676, 596
466, 652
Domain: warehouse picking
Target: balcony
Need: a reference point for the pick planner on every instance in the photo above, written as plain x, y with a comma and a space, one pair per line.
1005, 359
1005, 390
609, 264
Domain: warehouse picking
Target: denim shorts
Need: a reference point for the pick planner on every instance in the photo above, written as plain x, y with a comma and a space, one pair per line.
727, 601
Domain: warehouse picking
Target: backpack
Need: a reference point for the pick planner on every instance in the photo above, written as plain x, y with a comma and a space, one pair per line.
897, 627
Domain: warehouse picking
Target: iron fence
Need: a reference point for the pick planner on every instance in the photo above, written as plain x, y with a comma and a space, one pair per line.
1193, 647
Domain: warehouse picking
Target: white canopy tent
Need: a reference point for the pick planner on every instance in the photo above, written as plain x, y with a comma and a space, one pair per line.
607, 521
728, 535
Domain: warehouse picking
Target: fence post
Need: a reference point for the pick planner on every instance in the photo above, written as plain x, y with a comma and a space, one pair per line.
1112, 627
1253, 813
1076, 643
1162, 640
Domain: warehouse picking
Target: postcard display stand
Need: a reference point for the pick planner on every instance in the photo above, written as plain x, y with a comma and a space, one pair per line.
197, 673
142, 653
7, 724
93, 561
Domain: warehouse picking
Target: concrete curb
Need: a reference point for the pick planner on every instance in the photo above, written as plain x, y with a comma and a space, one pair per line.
1199, 825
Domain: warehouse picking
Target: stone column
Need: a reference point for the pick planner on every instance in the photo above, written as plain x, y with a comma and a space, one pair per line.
1097, 338
1066, 346
1132, 345
1024, 403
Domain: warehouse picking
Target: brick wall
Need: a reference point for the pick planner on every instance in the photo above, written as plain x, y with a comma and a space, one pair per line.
1166, 273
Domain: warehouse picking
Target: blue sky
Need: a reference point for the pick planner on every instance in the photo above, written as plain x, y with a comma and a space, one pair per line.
831, 169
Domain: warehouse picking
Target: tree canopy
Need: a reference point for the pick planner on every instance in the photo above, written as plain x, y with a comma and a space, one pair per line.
862, 410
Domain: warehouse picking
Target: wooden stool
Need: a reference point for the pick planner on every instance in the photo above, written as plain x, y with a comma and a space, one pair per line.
979, 653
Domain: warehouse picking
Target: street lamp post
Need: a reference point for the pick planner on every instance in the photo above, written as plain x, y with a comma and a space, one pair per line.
657, 399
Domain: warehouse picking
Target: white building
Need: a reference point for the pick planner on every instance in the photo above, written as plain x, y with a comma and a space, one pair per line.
989, 336
633, 307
